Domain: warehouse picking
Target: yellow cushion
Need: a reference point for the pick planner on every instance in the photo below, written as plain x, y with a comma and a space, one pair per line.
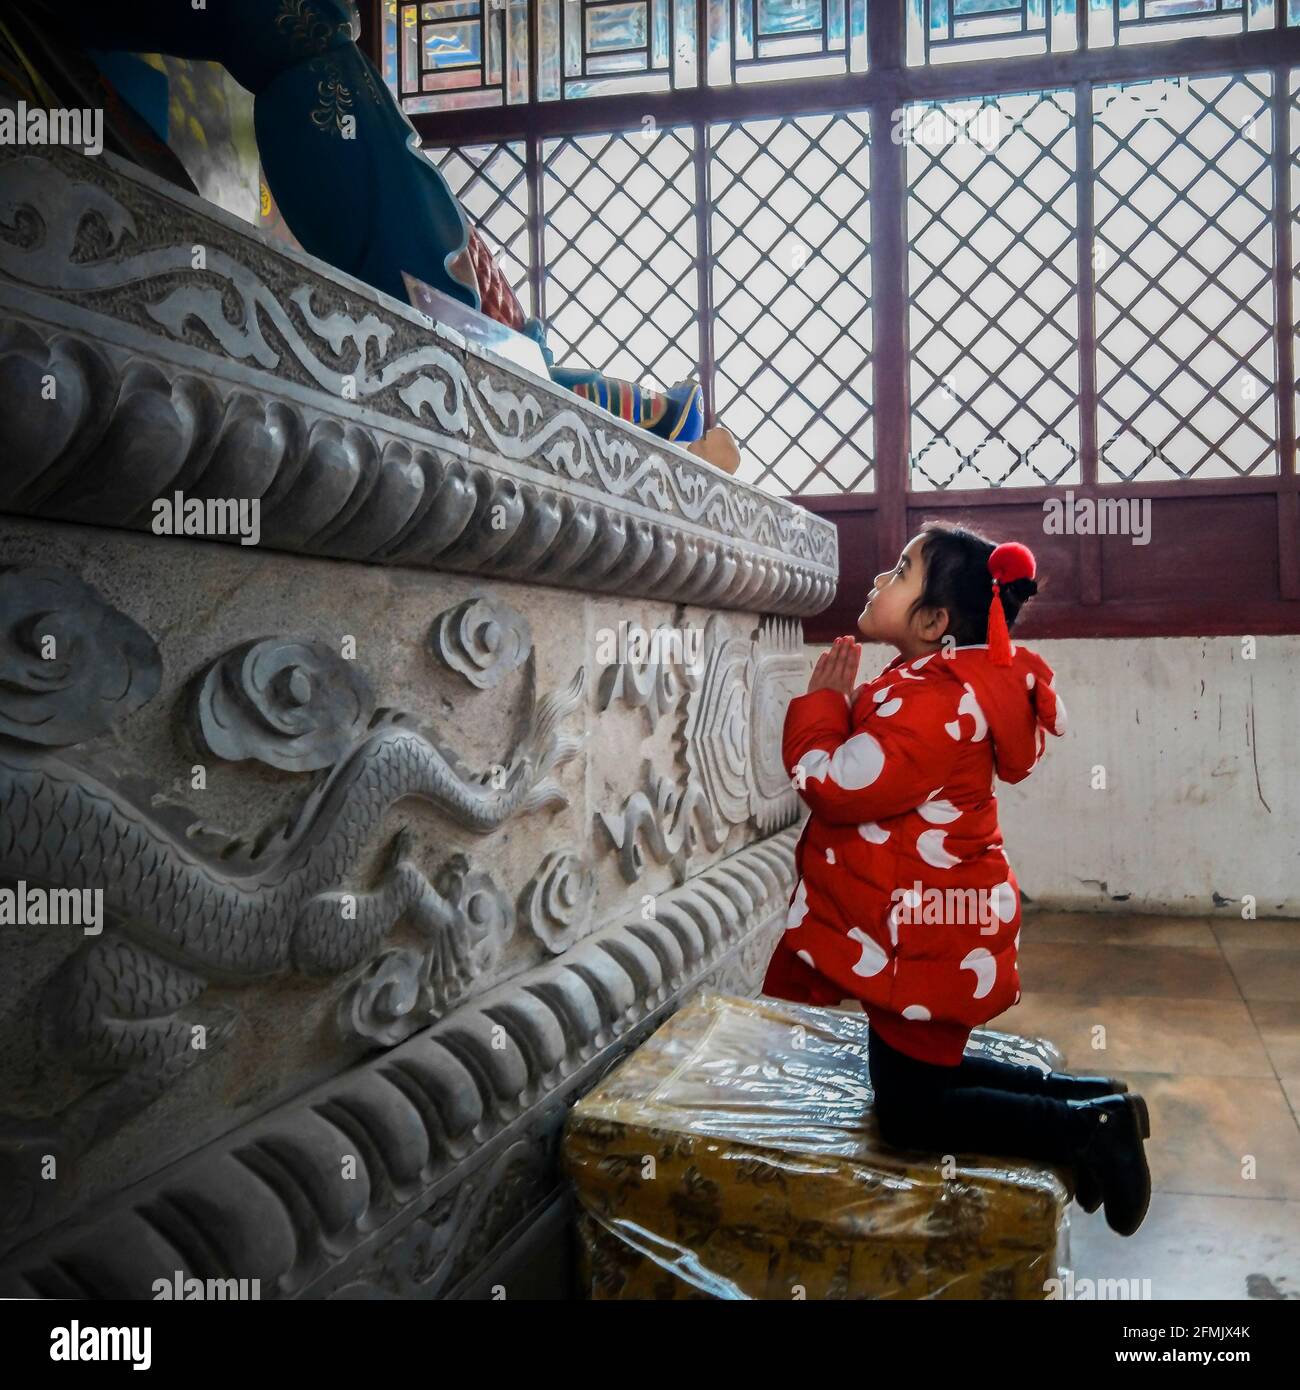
734, 1154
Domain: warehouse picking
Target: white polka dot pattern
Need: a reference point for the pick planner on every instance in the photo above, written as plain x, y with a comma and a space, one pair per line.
904, 804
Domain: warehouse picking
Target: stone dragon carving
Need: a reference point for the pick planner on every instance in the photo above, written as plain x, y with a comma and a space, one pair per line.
411, 1117
186, 913
366, 436
405, 989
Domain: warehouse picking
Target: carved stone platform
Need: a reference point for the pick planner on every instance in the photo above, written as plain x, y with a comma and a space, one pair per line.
400, 843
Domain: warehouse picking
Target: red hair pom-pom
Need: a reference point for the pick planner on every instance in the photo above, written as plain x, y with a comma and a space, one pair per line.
1008, 562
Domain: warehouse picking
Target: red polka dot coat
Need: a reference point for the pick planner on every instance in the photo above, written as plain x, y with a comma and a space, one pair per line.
903, 895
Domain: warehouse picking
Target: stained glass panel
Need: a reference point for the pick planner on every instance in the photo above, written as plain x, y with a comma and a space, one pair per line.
389, 31
761, 40
589, 48
1185, 299
948, 31
452, 54
457, 53
992, 281
1147, 21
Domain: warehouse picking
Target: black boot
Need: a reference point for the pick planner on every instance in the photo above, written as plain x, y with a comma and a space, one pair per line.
1087, 1191
1107, 1154
1063, 1086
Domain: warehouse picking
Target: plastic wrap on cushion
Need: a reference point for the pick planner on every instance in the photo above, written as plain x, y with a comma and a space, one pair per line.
735, 1155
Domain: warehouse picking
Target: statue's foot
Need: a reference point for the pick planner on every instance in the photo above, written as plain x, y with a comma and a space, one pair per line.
718, 447
677, 414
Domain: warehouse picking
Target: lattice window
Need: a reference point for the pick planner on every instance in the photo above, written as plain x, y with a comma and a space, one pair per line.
947, 31
1147, 21
452, 54
620, 253
491, 183
792, 299
992, 285
1185, 299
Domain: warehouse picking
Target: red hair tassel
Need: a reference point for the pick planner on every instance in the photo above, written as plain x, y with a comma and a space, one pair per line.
1008, 562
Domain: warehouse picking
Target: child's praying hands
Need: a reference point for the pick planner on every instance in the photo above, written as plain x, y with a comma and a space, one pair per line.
837, 667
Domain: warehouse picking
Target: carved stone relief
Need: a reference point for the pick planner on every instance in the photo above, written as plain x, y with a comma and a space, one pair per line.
654, 685
295, 705
556, 903
734, 718
366, 437
483, 639
411, 1115
730, 727
669, 822
72, 665
182, 907
396, 444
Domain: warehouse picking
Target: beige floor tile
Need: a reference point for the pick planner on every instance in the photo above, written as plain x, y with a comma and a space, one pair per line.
1265, 972
1209, 1037
1291, 1088
1279, 934
1278, 1022
1117, 929
1237, 1248
1203, 1127
1188, 972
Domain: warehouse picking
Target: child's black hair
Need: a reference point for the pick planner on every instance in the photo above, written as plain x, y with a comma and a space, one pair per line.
957, 578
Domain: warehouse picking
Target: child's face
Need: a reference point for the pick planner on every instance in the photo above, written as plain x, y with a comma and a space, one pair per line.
885, 617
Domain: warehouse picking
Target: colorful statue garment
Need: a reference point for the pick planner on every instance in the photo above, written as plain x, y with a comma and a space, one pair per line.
344, 163
677, 414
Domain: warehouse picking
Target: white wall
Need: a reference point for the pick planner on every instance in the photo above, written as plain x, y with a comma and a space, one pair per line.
1201, 752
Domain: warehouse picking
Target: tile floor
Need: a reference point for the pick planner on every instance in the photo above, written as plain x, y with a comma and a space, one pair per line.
1202, 1018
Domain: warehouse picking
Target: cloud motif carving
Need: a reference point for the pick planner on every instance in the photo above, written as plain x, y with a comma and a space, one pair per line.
483, 639
296, 705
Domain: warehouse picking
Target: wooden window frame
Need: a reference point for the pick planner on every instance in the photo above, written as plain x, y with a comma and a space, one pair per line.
1226, 552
